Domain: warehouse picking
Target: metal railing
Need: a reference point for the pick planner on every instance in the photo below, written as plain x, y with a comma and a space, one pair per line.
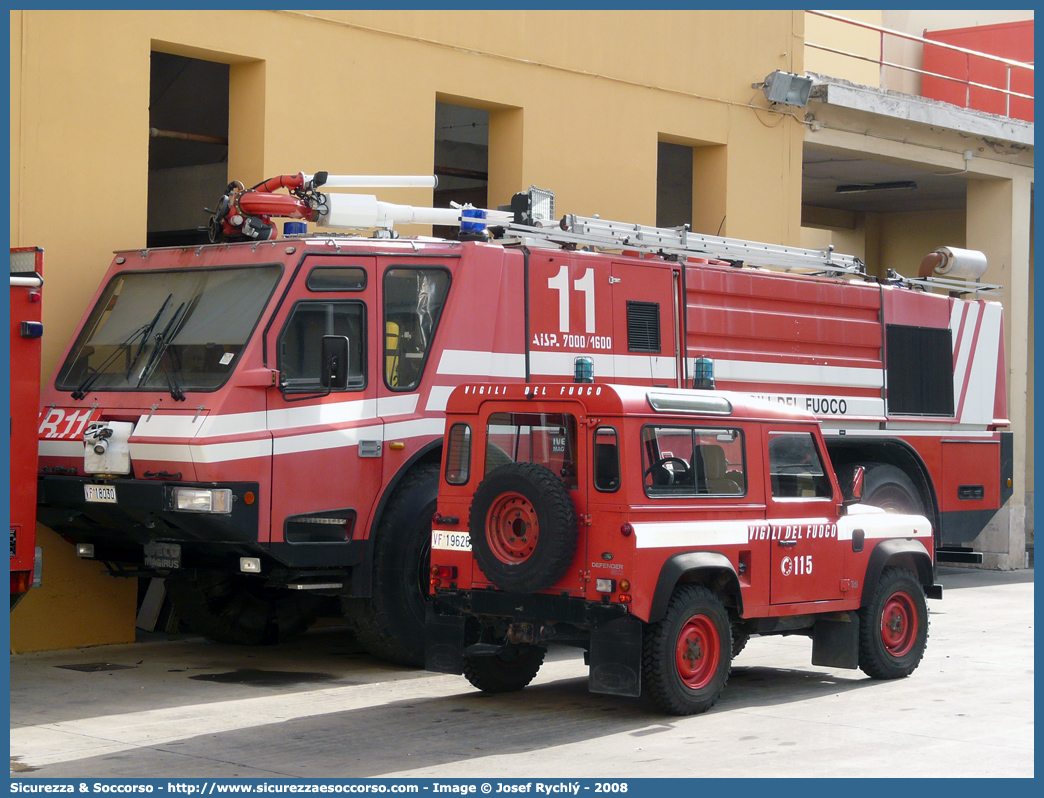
967, 82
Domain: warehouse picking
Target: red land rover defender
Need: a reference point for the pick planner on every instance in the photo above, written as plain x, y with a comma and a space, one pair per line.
658, 529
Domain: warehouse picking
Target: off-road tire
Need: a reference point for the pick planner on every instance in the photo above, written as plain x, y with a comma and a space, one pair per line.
532, 549
390, 624
740, 638
893, 627
506, 672
230, 608
675, 674
891, 489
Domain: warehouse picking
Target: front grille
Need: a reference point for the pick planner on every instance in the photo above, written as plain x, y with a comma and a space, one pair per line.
332, 526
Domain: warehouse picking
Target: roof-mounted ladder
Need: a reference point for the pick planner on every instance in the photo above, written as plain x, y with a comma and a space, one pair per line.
535, 209
590, 231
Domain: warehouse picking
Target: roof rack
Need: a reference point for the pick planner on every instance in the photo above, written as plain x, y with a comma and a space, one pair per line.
951, 285
246, 214
594, 232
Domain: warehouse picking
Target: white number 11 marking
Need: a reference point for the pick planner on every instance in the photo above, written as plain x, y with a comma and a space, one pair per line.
586, 285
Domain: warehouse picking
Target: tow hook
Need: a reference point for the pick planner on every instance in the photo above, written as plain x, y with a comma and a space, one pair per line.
528, 633
521, 633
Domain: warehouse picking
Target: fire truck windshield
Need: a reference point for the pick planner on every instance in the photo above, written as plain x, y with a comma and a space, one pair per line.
152, 329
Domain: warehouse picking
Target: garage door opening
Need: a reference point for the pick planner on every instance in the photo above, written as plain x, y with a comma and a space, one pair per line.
461, 158
673, 184
188, 147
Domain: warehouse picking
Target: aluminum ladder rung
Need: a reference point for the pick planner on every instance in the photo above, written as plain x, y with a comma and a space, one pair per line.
594, 232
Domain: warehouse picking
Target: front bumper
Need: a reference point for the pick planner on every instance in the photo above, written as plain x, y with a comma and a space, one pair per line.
144, 513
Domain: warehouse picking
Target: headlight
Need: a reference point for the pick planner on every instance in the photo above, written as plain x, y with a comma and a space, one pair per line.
201, 500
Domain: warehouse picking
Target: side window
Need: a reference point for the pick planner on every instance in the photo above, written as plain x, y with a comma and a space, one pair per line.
667, 461
694, 461
721, 464
300, 343
336, 278
413, 302
458, 455
795, 467
606, 460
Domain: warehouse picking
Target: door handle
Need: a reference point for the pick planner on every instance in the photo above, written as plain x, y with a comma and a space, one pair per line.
786, 542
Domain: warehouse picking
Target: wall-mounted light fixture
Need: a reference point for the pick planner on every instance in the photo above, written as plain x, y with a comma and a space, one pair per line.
786, 88
861, 188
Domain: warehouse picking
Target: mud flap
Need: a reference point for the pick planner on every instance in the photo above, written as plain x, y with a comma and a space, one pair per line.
443, 642
616, 658
835, 640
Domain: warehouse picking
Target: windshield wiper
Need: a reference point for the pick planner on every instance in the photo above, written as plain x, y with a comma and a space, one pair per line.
90, 379
172, 383
163, 341
145, 338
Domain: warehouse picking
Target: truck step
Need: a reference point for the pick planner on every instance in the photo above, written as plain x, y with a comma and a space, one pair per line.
958, 554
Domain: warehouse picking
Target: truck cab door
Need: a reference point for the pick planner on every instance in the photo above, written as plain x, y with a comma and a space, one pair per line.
413, 294
328, 442
806, 559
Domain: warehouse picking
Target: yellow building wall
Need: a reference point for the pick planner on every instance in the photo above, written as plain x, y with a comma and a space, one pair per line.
578, 102
75, 606
844, 38
15, 104
848, 232
885, 241
905, 238
1030, 416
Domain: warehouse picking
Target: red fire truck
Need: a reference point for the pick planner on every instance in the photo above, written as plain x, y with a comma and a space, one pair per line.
26, 330
658, 529
259, 420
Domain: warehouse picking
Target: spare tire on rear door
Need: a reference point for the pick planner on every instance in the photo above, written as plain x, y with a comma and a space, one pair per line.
523, 527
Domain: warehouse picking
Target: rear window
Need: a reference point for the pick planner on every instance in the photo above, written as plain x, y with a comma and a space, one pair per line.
548, 439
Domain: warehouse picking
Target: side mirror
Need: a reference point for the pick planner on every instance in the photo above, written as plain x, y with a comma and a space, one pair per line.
857, 483
333, 374
855, 493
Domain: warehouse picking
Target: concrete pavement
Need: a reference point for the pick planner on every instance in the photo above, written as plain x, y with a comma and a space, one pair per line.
319, 707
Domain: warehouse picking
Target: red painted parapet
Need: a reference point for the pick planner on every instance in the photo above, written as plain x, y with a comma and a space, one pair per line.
1011, 40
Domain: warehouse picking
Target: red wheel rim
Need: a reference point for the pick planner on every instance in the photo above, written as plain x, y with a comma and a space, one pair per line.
512, 528
698, 652
899, 624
